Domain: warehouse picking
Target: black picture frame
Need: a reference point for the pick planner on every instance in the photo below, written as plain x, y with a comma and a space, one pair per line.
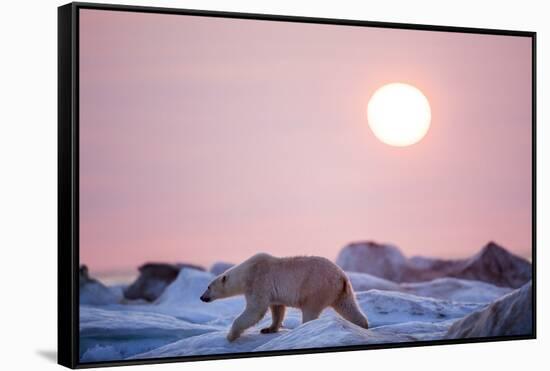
68, 178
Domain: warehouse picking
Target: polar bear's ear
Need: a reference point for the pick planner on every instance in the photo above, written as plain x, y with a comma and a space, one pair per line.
224, 278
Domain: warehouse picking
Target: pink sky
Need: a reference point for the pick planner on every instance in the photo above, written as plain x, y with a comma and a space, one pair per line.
206, 139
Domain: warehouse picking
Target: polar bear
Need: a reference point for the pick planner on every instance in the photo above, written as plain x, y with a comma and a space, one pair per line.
310, 283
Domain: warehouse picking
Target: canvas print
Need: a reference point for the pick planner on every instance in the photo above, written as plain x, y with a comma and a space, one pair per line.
252, 185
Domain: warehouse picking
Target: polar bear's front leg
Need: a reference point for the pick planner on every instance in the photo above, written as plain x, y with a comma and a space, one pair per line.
252, 314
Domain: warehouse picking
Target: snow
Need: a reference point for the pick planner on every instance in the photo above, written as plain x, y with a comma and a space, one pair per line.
117, 334
432, 321
335, 331
177, 323
448, 288
323, 332
418, 331
457, 290
98, 353
211, 343
183, 297
510, 315
388, 307
365, 281
95, 293
101, 322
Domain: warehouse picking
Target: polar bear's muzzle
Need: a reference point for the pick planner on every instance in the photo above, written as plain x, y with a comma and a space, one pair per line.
205, 297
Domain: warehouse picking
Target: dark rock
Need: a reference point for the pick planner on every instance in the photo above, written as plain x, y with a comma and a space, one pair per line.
379, 260
93, 292
84, 275
493, 264
153, 279
496, 265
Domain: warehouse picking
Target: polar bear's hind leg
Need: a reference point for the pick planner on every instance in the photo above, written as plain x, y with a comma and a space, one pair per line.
347, 307
277, 315
309, 314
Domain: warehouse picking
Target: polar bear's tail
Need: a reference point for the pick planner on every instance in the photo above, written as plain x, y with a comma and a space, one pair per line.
347, 306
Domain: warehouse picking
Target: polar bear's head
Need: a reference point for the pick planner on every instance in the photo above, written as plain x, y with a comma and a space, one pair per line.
223, 286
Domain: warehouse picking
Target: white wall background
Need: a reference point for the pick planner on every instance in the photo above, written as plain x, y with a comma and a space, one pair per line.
28, 180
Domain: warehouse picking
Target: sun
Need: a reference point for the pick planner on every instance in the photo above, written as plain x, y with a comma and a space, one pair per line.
399, 114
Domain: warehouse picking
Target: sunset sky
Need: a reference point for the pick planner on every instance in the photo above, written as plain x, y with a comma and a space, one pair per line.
207, 139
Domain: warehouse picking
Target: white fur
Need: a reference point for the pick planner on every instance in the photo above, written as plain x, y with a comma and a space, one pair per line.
309, 283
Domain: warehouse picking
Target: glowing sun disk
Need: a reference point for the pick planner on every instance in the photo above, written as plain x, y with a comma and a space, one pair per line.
399, 114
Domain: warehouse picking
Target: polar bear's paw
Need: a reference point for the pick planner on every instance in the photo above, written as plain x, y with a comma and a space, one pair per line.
269, 330
232, 336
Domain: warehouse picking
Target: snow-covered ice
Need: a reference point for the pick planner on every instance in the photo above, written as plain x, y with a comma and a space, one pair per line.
448, 288
117, 334
457, 290
95, 293
335, 331
394, 317
178, 323
365, 281
389, 307
510, 315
